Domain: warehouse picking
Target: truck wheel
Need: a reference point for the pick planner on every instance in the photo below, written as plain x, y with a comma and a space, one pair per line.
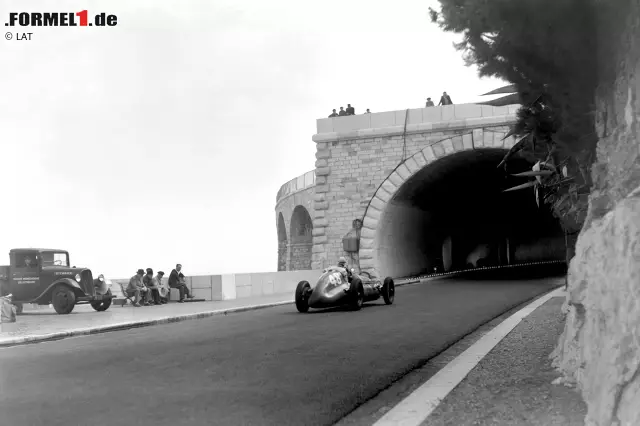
357, 294
63, 299
102, 305
19, 307
388, 290
302, 296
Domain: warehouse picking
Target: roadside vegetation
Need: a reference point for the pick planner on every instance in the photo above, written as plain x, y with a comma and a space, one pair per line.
546, 48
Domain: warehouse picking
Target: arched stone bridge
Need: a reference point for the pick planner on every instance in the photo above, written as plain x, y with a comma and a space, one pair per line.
294, 203
424, 186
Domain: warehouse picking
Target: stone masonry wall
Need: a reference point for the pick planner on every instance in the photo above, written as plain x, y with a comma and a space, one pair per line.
350, 166
600, 347
286, 206
282, 256
300, 256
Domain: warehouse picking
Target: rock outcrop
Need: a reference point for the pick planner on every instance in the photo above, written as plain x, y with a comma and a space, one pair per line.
600, 348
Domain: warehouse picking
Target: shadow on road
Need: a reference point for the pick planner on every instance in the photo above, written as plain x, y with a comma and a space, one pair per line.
367, 305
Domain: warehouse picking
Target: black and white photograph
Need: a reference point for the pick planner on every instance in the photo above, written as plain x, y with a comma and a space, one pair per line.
320, 213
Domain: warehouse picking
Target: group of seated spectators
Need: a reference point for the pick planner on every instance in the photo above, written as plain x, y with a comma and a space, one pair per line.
349, 111
148, 290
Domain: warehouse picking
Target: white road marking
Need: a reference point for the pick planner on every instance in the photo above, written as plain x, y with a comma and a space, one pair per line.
415, 408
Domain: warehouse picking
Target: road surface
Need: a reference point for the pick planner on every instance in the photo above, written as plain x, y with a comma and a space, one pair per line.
266, 367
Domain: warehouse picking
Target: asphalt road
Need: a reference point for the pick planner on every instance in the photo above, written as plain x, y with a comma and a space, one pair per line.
266, 367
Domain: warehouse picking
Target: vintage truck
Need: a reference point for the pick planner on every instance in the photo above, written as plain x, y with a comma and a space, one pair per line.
45, 276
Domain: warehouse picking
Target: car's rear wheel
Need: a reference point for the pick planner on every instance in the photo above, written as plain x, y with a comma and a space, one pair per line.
102, 305
388, 290
63, 299
357, 294
302, 296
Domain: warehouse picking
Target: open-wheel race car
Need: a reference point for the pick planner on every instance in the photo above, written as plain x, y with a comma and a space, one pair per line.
336, 287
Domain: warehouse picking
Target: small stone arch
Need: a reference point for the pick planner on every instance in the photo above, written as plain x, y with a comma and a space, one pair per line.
301, 239
477, 138
282, 243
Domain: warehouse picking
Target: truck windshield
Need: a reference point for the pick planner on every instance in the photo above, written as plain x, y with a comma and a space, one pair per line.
55, 259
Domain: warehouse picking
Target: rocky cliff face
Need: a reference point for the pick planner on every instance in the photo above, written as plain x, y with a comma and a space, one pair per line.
600, 347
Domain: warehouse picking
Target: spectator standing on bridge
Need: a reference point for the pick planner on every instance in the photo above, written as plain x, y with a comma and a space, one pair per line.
350, 110
445, 99
333, 114
176, 280
136, 288
342, 112
429, 102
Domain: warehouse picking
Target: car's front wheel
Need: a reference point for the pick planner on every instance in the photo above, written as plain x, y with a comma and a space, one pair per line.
388, 290
63, 299
19, 307
102, 305
357, 294
302, 296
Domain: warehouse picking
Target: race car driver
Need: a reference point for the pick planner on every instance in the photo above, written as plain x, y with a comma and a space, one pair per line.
342, 262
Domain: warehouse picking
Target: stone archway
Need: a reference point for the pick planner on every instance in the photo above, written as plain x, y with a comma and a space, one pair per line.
373, 247
282, 243
301, 239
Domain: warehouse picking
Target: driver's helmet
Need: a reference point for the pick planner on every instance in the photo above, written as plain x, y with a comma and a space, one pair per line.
342, 262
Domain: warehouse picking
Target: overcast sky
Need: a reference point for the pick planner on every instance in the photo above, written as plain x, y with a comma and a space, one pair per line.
166, 138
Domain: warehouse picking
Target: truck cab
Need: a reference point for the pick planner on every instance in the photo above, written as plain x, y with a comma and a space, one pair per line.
45, 276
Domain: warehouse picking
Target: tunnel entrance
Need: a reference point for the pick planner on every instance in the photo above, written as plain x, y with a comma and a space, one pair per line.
301, 240
452, 215
282, 244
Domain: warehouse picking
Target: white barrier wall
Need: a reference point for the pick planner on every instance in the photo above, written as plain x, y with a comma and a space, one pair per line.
238, 286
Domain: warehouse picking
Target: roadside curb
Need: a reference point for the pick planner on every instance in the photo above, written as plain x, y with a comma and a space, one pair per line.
415, 408
139, 324
134, 324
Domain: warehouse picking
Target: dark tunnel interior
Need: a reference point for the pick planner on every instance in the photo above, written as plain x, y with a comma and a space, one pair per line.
452, 215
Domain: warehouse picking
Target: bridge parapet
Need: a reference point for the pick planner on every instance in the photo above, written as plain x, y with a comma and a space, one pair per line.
297, 184
448, 117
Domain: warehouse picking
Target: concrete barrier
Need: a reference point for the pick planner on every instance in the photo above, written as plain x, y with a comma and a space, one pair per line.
238, 286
